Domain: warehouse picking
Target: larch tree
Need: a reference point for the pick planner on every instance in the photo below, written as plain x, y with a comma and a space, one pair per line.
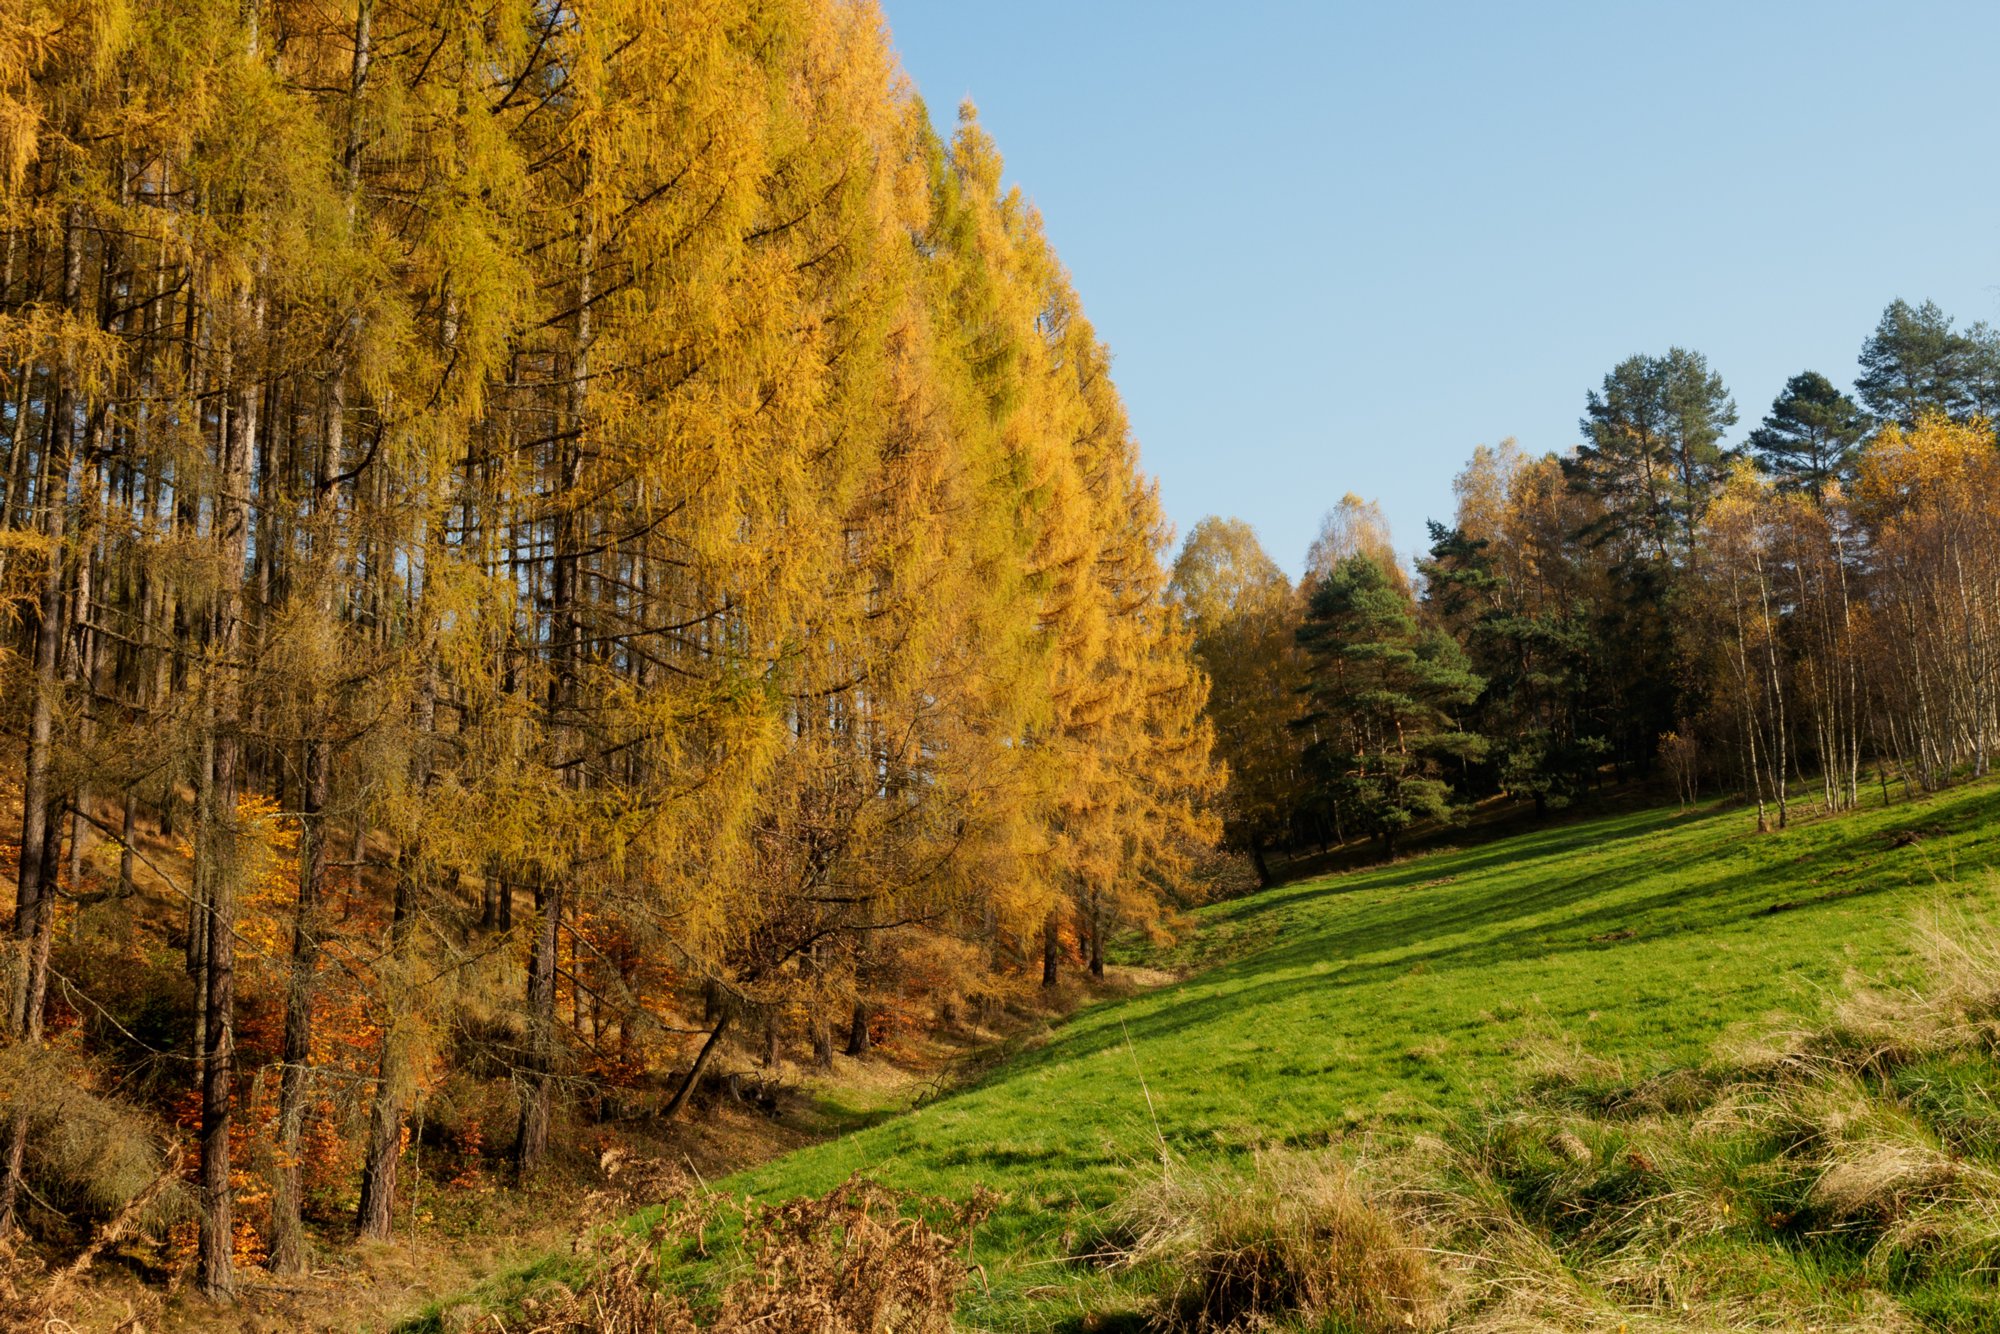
1242, 610
613, 460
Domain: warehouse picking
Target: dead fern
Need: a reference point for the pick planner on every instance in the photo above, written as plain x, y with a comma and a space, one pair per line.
861, 1259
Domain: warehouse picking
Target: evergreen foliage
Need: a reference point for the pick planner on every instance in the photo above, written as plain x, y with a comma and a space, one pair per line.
1808, 438
1382, 693
1917, 361
1652, 451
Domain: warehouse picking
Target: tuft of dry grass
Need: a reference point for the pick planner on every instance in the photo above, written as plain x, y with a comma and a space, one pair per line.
1953, 1006
1297, 1238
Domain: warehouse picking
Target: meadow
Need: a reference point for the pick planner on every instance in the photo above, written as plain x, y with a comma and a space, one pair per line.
1369, 1010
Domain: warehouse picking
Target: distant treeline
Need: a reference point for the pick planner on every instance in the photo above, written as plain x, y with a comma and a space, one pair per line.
603, 534
1817, 605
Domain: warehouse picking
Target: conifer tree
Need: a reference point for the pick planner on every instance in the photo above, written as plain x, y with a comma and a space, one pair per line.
1653, 451
1808, 438
1242, 610
694, 502
1915, 362
1383, 696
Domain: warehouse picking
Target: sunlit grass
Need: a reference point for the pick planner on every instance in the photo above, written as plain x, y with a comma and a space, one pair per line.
1431, 998
1362, 1008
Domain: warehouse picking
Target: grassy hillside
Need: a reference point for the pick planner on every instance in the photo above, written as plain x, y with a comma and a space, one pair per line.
1363, 1008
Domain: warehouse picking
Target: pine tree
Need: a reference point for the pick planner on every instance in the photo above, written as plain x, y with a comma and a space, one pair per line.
1914, 362
1808, 438
1534, 662
1653, 451
1383, 696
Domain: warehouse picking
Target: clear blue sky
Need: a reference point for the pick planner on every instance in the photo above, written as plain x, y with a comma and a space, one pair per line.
1335, 246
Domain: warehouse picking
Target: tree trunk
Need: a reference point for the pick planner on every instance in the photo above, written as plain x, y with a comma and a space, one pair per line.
531, 1136
287, 1252
219, 845
40, 818
687, 1087
858, 1042
34, 999
128, 831
374, 1217
1051, 948
1095, 920
215, 1272
822, 1042
76, 832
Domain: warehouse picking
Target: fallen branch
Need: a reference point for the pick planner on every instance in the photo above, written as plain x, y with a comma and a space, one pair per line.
115, 1229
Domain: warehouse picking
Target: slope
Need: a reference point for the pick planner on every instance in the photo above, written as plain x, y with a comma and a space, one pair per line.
1364, 1008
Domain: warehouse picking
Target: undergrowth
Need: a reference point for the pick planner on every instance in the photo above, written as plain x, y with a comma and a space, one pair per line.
860, 1259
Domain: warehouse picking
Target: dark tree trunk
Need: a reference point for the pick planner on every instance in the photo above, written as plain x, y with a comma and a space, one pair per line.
287, 1251
531, 1137
858, 1042
128, 831
216, 1267
1257, 860
40, 817
1051, 948
822, 1041
374, 1216
681, 1095
218, 834
36, 991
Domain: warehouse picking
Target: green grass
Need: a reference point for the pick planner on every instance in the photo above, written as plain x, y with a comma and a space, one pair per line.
1387, 1001
1365, 1007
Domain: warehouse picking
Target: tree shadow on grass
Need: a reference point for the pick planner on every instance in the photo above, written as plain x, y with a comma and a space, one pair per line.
1572, 889
1620, 888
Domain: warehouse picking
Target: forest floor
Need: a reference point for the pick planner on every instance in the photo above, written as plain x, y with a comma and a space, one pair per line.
1370, 1010
455, 1235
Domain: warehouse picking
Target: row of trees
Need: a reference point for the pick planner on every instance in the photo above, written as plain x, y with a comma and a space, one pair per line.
1817, 601
594, 516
